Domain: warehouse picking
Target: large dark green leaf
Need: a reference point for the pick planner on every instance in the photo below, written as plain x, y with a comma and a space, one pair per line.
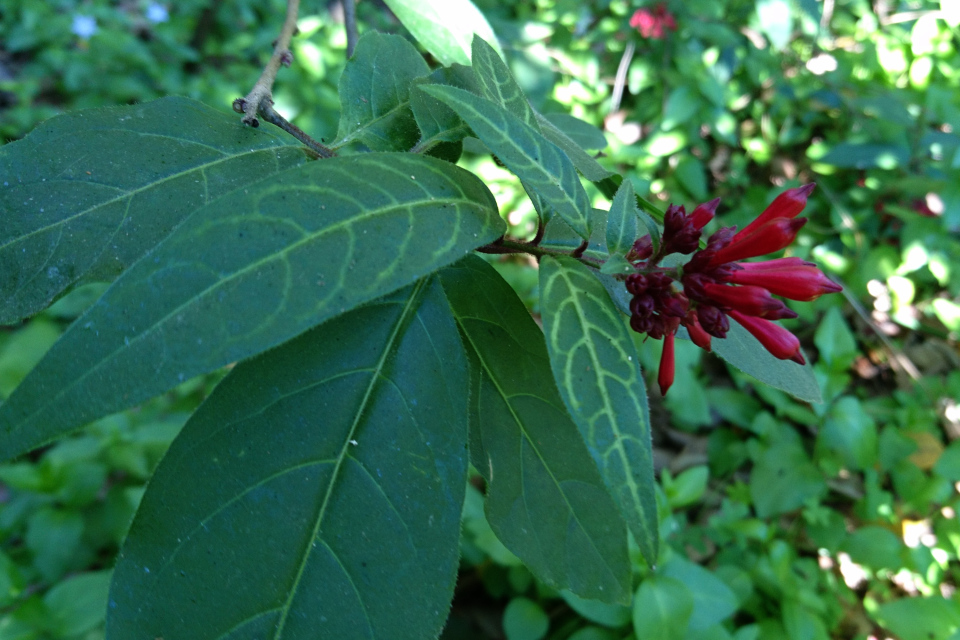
598, 373
317, 492
375, 94
498, 85
539, 163
445, 28
88, 193
545, 500
248, 272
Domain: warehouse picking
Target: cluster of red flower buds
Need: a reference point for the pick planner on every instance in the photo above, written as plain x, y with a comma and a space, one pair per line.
715, 286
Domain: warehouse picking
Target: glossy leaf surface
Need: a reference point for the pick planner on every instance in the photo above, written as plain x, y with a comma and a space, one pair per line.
375, 94
87, 193
746, 353
317, 492
545, 499
539, 163
597, 371
445, 28
248, 272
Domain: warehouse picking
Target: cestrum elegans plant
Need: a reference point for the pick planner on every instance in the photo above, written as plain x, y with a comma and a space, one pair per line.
317, 492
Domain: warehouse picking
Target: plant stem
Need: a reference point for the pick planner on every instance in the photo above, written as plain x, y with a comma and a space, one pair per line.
270, 115
350, 24
261, 94
502, 246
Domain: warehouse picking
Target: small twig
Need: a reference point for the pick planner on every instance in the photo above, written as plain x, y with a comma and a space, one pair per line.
270, 115
350, 24
621, 79
262, 91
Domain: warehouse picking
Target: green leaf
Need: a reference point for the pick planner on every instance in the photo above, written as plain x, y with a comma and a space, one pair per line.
622, 227
850, 432
609, 615
437, 121
835, 342
524, 619
867, 155
498, 85
78, 604
746, 353
582, 160
617, 264
713, 601
445, 28
248, 272
782, 479
662, 609
536, 161
874, 547
87, 193
919, 618
598, 373
375, 94
584, 134
545, 499
558, 236
316, 494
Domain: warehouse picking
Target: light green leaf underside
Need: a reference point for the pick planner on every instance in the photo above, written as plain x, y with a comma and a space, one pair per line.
597, 371
317, 492
88, 193
445, 28
540, 164
622, 221
498, 85
248, 272
375, 94
545, 499
744, 352
582, 160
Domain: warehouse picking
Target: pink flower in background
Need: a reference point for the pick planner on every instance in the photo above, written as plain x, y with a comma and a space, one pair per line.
653, 23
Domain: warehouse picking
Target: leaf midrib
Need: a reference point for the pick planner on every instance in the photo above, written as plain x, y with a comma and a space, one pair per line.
388, 349
601, 381
222, 282
133, 192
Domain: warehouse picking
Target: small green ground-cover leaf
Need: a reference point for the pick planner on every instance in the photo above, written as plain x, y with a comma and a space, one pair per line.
539, 163
316, 494
597, 371
375, 94
86, 194
445, 28
248, 272
545, 499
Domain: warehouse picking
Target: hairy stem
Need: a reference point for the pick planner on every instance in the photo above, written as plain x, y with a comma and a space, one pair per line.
261, 94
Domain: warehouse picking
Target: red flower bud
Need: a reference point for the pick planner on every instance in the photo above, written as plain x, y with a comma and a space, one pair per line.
698, 336
703, 214
774, 338
667, 365
713, 321
791, 278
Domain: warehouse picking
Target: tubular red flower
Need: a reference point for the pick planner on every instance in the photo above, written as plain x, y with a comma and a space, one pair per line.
788, 204
754, 301
774, 338
667, 365
767, 238
788, 277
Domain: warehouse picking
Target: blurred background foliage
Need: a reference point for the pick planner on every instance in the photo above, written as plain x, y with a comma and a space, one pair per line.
781, 519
